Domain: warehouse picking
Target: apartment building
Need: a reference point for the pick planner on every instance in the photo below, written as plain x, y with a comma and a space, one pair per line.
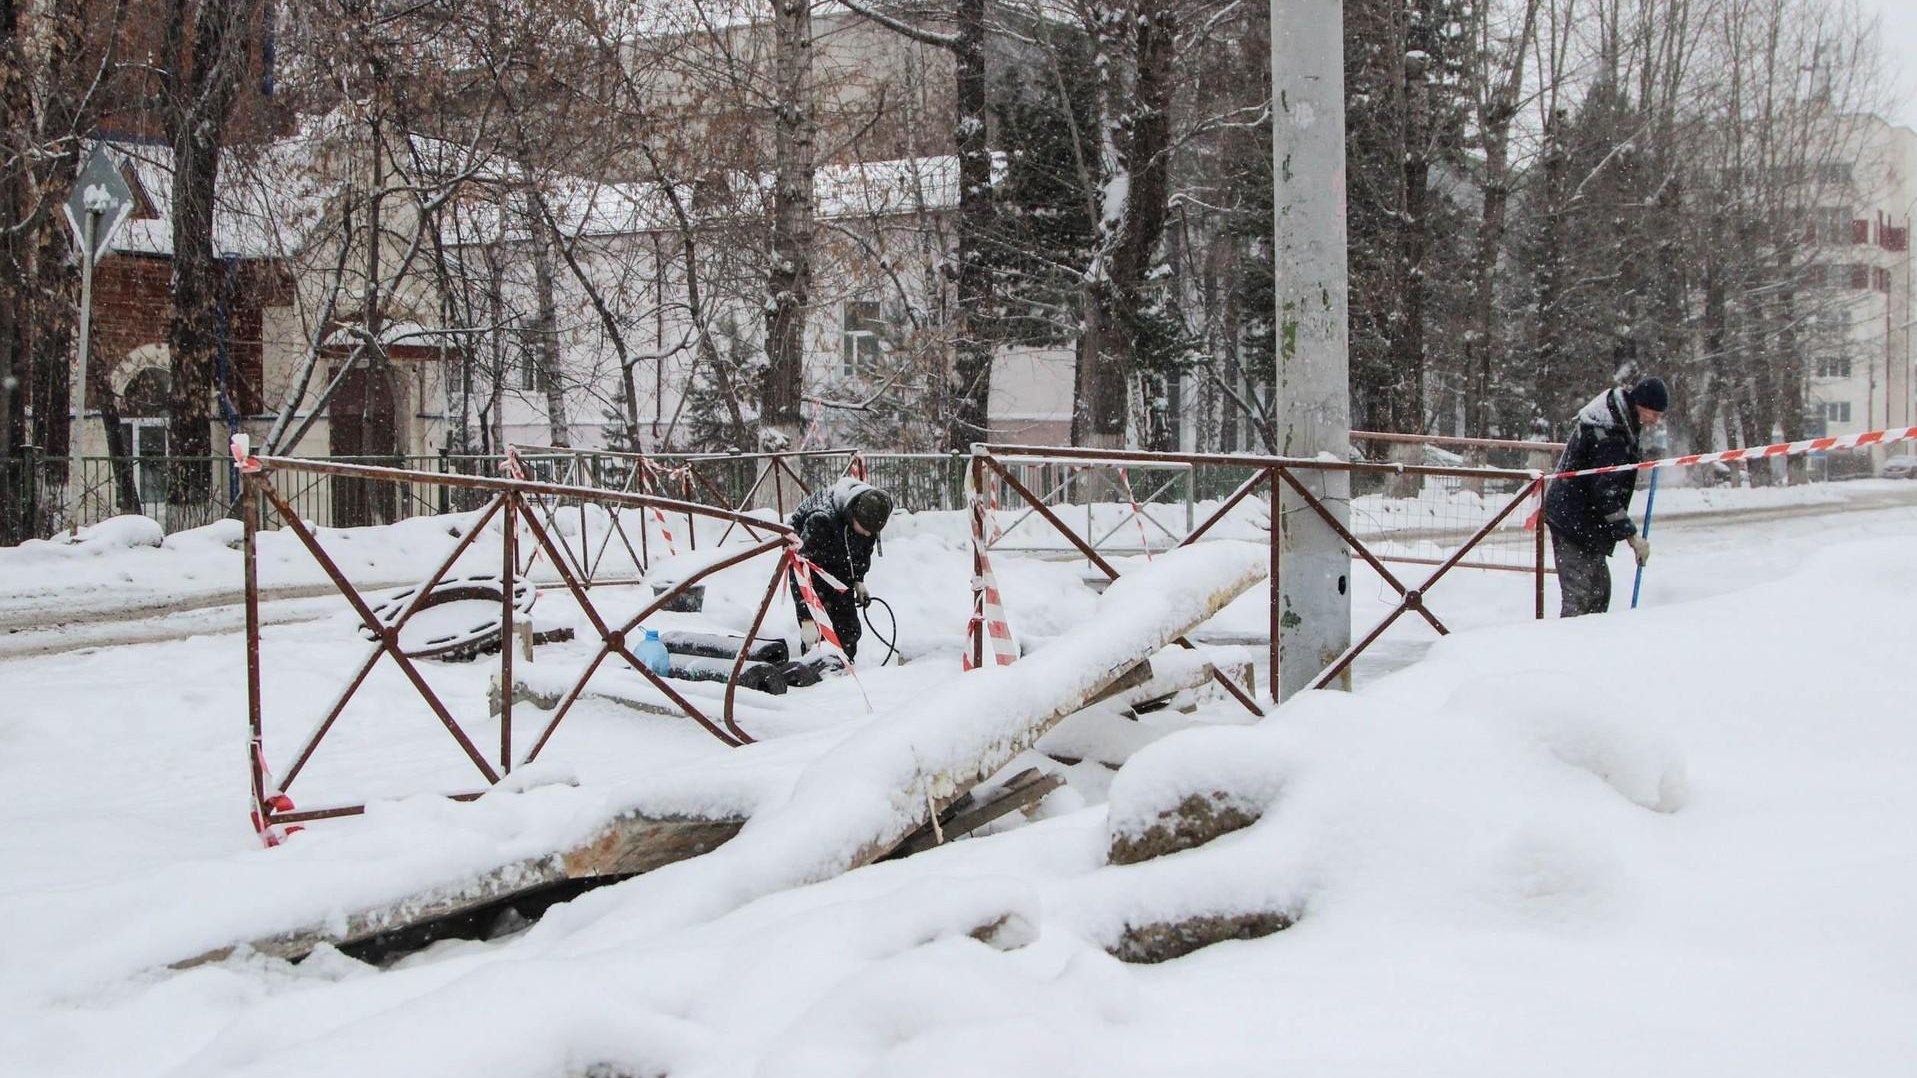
1860, 355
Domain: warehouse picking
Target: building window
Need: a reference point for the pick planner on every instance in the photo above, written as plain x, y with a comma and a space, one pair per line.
143, 408
1837, 411
1859, 275
1880, 280
1833, 368
1834, 173
863, 345
1814, 275
528, 373
1830, 224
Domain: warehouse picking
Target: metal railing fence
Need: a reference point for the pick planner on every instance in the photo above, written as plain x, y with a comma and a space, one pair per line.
33, 486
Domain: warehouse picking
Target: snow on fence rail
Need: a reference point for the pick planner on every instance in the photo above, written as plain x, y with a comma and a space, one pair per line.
995, 482
515, 505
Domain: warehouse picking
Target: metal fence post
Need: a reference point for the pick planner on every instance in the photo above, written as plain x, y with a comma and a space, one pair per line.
509, 542
1191, 483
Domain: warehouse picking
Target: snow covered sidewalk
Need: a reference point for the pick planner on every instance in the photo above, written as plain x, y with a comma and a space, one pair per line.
1669, 841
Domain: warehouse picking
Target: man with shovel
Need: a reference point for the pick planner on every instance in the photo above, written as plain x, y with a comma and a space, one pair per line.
1590, 514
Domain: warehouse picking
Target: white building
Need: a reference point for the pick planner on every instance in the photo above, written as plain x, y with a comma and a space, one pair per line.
1860, 360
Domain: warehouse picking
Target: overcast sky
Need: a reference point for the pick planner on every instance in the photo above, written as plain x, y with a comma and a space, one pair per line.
1900, 47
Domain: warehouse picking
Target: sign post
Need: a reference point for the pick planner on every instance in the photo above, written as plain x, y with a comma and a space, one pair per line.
99, 204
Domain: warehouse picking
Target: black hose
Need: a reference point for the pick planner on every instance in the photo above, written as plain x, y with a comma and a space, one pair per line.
891, 642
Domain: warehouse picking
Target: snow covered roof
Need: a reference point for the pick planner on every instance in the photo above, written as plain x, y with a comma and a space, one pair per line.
266, 200
393, 334
866, 189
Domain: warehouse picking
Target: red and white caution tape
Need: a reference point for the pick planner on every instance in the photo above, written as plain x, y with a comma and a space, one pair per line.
661, 474
988, 609
856, 466
1781, 449
242, 448
270, 834
997, 532
803, 570
1138, 515
988, 606
512, 467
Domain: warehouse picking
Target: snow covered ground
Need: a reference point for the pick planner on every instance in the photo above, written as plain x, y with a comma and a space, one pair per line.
1669, 841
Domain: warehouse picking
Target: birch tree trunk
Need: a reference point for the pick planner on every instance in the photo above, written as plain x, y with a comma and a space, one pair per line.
546, 328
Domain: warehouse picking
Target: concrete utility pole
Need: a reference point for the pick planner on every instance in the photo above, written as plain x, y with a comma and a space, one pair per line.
1313, 380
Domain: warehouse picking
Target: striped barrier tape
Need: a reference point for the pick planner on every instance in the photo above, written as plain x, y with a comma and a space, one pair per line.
1138, 514
988, 605
1780, 449
803, 570
273, 834
997, 532
241, 446
660, 472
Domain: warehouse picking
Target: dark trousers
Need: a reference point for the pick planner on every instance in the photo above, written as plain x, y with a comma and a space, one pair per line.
840, 607
1584, 578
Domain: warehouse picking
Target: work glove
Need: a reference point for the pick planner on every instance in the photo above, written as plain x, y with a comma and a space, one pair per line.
1641, 547
860, 595
808, 634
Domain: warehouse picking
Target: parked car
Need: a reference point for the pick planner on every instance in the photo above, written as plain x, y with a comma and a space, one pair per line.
1899, 468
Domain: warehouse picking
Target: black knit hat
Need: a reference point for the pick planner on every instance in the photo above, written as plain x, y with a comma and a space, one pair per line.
870, 509
1651, 393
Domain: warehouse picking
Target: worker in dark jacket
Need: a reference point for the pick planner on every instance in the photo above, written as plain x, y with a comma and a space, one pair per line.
1590, 515
838, 528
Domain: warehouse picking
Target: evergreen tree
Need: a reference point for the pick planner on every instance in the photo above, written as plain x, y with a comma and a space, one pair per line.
1043, 223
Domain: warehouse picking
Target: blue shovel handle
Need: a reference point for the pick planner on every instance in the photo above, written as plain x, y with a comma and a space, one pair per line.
1650, 503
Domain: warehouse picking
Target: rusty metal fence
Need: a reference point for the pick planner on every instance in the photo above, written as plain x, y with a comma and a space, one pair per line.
516, 506
999, 466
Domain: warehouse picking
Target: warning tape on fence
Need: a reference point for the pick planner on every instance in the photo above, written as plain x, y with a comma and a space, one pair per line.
270, 834
988, 605
241, 446
1759, 452
803, 571
683, 473
1138, 514
993, 486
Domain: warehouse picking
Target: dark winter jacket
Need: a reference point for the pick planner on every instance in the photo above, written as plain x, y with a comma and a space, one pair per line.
824, 523
1593, 511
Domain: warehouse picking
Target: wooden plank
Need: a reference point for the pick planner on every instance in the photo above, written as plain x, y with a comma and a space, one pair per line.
940, 783
1024, 791
628, 845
